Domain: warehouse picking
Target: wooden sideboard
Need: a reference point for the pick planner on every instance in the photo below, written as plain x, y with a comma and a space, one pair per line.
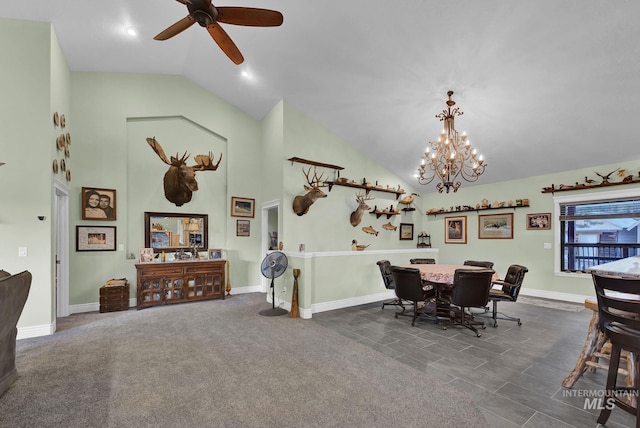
178, 282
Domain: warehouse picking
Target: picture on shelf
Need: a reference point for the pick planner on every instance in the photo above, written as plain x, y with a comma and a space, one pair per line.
146, 255
215, 253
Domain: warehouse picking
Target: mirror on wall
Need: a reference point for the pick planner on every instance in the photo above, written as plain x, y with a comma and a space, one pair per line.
172, 231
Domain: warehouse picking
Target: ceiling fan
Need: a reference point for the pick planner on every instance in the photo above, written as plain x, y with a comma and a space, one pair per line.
207, 15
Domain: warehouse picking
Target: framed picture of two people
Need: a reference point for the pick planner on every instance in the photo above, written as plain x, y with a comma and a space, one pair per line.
98, 204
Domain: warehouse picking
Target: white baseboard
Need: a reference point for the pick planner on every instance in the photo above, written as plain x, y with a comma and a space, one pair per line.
555, 295
35, 331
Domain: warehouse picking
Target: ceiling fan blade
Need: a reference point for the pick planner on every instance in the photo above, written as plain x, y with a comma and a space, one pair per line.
249, 16
176, 28
226, 44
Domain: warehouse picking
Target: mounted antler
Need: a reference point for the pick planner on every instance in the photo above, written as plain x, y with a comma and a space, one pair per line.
356, 216
180, 180
301, 204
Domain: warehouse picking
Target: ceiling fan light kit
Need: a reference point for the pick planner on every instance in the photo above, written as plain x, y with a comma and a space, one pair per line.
452, 156
208, 16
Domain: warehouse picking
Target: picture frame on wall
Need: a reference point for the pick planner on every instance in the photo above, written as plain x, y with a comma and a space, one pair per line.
243, 228
98, 204
495, 226
539, 221
242, 207
406, 231
455, 230
95, 238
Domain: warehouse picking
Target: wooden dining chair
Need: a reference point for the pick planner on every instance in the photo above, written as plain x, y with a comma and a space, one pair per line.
620, 321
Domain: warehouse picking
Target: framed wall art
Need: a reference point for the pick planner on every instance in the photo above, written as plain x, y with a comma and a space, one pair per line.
242, 207
98, 204
539, 221
146, 255
243, 228
495, 226
406, 232
95, 238
455, 230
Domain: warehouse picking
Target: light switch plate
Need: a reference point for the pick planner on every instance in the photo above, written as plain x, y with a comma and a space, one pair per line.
22, 252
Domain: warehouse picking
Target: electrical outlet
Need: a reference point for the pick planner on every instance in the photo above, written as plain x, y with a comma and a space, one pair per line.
284, 290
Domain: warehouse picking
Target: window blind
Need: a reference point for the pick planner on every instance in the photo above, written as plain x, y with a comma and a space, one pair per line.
629, 208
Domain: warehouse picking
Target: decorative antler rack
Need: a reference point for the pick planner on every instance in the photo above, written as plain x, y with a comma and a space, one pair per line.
591, 183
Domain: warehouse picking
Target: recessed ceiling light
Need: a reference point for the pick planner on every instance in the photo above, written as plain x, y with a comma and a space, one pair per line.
245, 74
130, 31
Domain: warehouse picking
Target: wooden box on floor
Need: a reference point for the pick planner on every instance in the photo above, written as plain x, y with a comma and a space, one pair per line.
114, 297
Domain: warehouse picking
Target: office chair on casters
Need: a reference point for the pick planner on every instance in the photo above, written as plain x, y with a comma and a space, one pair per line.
387, 278
470, 290
419, 261
478, 263
620, 323
409, 288
509, 292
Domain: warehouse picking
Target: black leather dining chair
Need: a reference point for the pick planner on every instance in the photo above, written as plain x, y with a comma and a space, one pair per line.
470, 290
478, 263
409, 288
422, 261
619, 318
387, 278
508, 292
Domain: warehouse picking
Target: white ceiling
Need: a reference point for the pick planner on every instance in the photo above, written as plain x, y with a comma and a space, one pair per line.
544, 85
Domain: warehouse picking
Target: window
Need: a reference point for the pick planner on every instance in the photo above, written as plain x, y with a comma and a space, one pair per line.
596, 229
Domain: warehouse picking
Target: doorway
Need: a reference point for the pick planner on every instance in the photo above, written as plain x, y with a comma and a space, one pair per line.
270, 231
61, 250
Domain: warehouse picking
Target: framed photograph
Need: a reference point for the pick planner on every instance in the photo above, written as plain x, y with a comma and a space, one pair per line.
406, 231
242, 207
146, 255
495, 226
98, 204
539, 221
215, 253
455, 230
243, 228
95, 238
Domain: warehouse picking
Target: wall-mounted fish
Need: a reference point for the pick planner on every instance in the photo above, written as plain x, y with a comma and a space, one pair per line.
389, 226
371, 230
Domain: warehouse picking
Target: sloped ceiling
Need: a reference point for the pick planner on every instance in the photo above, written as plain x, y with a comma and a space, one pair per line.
544, 85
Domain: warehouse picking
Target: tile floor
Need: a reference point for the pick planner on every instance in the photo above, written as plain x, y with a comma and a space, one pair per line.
513, 373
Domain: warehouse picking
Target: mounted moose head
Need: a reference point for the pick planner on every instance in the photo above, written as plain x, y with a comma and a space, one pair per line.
301, 204
180, 180
356, 216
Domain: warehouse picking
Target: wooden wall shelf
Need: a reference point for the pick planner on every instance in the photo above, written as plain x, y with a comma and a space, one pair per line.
366, 188
478, 210
379, 213
577, 186
314, 163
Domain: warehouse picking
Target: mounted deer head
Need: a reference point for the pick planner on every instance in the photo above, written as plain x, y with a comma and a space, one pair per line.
301, 204
180, 180
356, 216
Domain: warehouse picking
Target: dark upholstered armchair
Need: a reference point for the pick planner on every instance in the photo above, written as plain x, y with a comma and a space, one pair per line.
470, 290
419, 261
14, 290
478, 263
508, 292
387, 278
620, 323
409, 288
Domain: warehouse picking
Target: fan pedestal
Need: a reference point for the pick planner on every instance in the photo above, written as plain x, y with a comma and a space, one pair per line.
272, 312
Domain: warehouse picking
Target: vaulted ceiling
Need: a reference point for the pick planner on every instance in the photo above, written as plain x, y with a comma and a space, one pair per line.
544, 85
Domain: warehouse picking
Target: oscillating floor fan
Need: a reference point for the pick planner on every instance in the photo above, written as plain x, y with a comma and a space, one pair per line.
272, 267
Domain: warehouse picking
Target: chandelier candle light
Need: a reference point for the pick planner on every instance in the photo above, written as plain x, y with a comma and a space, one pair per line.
451, 156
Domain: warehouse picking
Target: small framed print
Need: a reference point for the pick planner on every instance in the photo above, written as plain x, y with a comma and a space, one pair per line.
242, 207
146, 255
98, 204
539, 221
215, 253
455, 230
406, 232
95, 238
243, 228
495, 226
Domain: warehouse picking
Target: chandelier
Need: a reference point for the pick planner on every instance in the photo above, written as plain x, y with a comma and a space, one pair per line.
451, 156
